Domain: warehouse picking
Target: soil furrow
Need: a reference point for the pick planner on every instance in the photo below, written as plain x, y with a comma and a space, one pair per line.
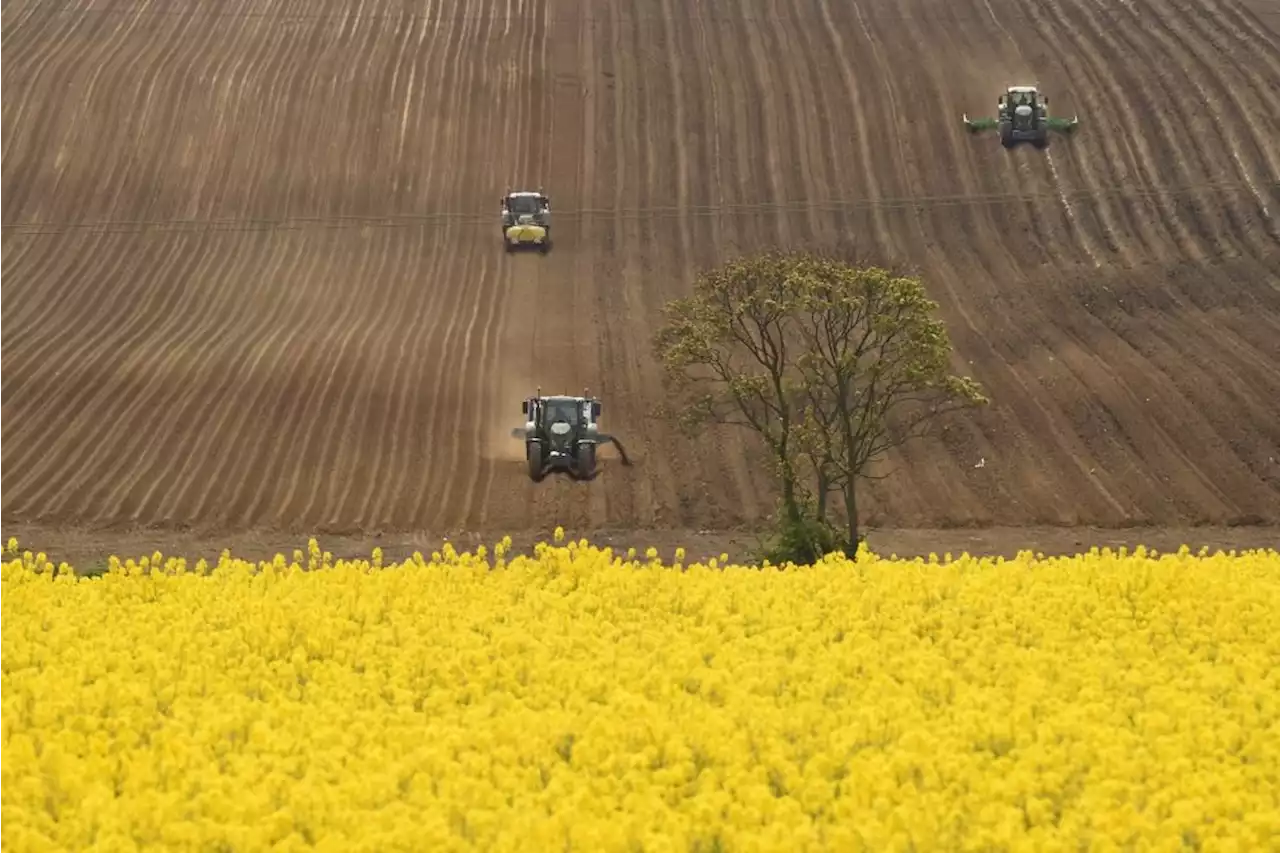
254, 277
1106, 99
867, 185
1236, 98
1183, 126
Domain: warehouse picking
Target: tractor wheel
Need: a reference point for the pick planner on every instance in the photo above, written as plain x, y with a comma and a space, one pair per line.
533, 450
544, 246
509, 246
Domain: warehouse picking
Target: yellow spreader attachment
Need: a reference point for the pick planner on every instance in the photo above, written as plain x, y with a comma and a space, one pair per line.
526, 235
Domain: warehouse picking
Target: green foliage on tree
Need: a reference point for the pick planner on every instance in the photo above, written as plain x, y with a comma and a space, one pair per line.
829, 363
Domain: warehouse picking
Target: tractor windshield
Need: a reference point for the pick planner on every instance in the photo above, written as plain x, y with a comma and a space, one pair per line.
567, 411
522, 204
1019, 99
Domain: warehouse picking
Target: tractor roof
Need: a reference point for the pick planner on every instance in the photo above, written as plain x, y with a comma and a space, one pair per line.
533, 193
1022, 88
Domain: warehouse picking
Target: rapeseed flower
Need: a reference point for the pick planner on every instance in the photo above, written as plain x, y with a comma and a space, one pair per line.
582, 700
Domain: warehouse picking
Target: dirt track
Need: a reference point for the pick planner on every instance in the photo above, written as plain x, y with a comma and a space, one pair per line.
253, 276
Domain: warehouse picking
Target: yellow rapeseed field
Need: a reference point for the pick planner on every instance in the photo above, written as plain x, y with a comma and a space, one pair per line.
586, 701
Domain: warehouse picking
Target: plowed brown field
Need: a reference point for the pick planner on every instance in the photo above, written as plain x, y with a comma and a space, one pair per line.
253, 275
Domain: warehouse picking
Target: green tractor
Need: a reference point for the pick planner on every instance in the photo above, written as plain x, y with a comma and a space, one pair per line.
1023, 117
561, 434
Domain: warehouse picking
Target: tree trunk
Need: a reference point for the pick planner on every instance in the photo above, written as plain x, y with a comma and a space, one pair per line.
851, 507
790, 506
824, 488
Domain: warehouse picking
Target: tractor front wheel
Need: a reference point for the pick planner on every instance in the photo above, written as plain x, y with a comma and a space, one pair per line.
586, 461
533, 450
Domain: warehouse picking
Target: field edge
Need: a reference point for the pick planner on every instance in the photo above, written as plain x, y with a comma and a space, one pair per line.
87, 549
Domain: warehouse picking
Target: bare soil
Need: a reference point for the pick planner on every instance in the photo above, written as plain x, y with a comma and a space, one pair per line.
253, 279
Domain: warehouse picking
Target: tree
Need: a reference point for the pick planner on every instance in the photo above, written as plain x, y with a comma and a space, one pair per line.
827, 362
728, 357
875, 366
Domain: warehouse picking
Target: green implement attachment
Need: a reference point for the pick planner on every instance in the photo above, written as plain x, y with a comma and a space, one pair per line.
979, 124
1062, 125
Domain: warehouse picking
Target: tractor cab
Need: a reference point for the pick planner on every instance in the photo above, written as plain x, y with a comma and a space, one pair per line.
1021, 96
525, 207
1020, 108
561, 418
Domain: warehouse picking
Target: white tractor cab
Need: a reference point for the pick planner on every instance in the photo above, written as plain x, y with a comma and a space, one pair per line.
526, 220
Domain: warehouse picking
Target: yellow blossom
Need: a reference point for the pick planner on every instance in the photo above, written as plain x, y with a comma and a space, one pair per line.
582, 699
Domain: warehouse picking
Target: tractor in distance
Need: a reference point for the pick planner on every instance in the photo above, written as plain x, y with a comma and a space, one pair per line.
1022, 116
561, 434
526, 220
